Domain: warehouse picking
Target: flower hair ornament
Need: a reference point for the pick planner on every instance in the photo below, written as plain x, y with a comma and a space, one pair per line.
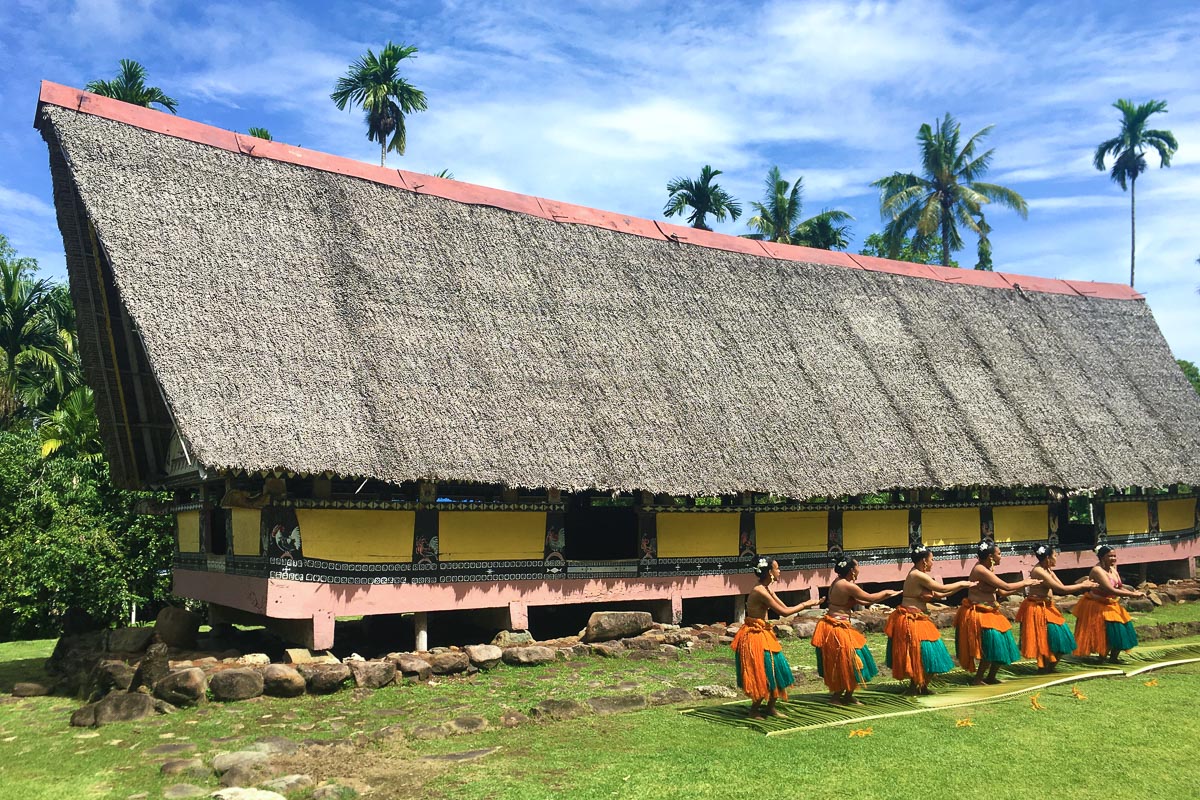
842, 563
1042, 551
986, 546
761, 563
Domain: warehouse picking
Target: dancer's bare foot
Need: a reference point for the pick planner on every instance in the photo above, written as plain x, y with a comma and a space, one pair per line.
925, 690
774, 712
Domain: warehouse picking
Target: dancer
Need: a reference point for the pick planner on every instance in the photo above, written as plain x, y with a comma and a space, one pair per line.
843, 659
981, 632
1102, 624
1044, 632
763, 672
915, 650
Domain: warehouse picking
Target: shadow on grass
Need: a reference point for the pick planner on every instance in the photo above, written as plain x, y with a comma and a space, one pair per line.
25, 670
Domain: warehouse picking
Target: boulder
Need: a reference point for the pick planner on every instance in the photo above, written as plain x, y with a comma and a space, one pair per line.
245, 775
236, 684
608, 649
326, 678
784, 631
410, 666
130, 640
300, 655
669, 696
449, 663
615, 704
510, 638
642, 643
153, 667
187, 687
1139, 604
84, 717
372, 674
288, 783
558, 709
177, 627
280, 680
528, 655
467, 724
511, 719
873, 620
29, 690
187, 767
606, 625
122, 708
716, 691
227, 761
275, 746
484, 656
110, 675
254, 660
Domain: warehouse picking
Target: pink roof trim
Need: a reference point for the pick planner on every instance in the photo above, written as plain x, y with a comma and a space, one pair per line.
555, 211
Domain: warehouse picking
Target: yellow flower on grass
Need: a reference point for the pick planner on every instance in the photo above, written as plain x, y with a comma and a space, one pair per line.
862, 732
1152, 682
1034, 704
964, 723
1078, 694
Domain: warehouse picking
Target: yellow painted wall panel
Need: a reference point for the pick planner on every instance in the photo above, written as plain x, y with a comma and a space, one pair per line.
791, 531
246, 538
1126, 518
1177, 515
356, 535
865, 530
491, 535
187, 531
682, 535
949, 526
1020, 523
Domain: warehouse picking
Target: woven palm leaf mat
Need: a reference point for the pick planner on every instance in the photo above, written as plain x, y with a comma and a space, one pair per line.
886, 698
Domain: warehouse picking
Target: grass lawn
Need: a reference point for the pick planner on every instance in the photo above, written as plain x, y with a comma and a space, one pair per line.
1130, 736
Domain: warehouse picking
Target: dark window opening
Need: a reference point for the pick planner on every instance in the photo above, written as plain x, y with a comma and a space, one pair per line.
218, 532
600, 533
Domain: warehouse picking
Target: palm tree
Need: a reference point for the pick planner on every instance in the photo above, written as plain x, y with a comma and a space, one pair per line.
703, 197
71, 427
775, 218
1128, 150
130, 86
947, 193
261, 133
374, 83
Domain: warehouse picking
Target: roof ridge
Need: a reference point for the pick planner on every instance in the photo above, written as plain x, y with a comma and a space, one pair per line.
552, 210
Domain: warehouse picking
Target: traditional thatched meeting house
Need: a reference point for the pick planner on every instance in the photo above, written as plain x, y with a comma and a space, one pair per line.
376, 392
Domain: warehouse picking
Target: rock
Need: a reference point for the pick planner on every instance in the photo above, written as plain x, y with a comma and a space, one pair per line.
1139, 604
511, 719
334, 792
641, 643
944, 618
647, 655
726, 640
170, 749
558, 709
429, 732
153, 667
875, 621
326, 678
678, 638
1148, 633
615, 704
372, 674
606, 625
1154, 597
288, 783
467, 724
185, 688
731, 630
300, 655
194, 768
129, 640
179, 791
29, 690
716, 691
669, 696
245, 774
1180, 591
84, 717
254, 660
528, 655
122, 708
163, 707
280, 680
484, 656
449, 663
236, 684
275, 746
110, 675
608, 649
410, 666
227, 761
510, 638
244, 793
785, 631
177, 627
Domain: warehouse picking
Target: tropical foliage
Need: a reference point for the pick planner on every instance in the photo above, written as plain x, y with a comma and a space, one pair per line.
374, 84
947, 194
929, 251
130, 86
1128, 152
261, 133
1192, 373
777, 217
702, 197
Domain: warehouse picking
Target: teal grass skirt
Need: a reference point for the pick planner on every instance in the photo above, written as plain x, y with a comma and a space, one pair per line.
869, 668
1060, 639
779, 671
935, 658
1121, 635
999, 647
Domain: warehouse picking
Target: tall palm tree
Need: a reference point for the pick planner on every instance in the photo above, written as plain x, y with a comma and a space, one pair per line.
777, 217
947, 193
374, 83
130, 87
1128, 149
703, 197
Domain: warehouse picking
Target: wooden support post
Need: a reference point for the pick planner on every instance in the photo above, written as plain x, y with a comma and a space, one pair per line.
518, 616
421, 629
739, 608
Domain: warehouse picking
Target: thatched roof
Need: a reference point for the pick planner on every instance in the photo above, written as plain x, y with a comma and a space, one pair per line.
298, 311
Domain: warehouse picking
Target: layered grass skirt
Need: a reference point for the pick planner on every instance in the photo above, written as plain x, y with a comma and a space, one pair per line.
915, 650
843, 659
762, 671
1044, 632
982, 633
1102, 626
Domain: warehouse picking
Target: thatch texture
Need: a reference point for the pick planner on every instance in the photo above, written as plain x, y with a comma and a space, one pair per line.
309, 321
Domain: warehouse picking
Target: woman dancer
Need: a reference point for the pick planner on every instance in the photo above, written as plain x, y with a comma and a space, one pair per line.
981, 632
1102, 624
915, 650
762, 671
843, 659
1044, 632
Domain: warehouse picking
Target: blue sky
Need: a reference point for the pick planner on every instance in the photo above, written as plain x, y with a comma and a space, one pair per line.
603, 106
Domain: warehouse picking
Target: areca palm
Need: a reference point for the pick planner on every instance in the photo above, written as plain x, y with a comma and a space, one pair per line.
1128, 150
374, 83
777, 217
71, 427
703, 197
946, 195
130, 86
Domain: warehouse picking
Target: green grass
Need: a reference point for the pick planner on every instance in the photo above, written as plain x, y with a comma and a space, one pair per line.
1124, 737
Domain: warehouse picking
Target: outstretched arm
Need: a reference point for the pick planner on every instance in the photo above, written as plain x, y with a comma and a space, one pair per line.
989, 578
861, 597
1105, 584
1050, 579
773, 602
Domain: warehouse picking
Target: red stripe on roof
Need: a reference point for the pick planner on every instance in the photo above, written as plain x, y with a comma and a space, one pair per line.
170, 125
